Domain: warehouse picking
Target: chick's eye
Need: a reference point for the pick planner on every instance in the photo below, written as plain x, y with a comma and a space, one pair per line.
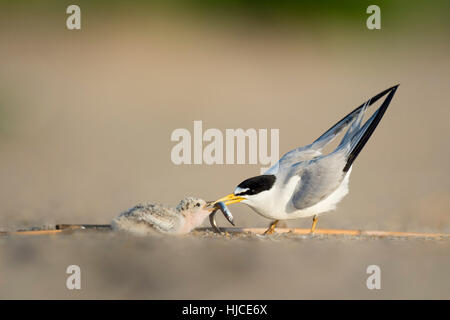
197, 204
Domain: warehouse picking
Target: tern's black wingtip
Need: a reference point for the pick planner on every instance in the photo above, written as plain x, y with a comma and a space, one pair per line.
372, 124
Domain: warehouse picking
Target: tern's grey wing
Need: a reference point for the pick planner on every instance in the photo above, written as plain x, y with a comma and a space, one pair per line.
358, 139
297, 155
313, 150
292, 158
335, 130
356, 135
318, 179
323, 175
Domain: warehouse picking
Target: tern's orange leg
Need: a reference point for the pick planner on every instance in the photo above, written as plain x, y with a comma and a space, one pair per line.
313, 227
271, 228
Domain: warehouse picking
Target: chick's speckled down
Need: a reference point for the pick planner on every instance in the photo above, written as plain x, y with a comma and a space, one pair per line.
151, 218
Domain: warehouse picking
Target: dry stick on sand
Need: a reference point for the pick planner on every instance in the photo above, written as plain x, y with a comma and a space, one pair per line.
341, 232
67, 228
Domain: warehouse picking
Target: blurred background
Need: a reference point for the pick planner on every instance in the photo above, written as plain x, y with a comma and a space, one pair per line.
86, 118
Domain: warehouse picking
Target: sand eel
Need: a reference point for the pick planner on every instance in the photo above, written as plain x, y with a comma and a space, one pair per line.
305, 182
227, 213
151, 218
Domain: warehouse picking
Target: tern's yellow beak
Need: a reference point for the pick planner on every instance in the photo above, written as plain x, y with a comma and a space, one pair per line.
229, 199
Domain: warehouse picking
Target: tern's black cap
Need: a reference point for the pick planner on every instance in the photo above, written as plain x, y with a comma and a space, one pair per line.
255, 185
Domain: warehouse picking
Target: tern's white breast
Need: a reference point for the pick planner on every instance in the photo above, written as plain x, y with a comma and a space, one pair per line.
276, 203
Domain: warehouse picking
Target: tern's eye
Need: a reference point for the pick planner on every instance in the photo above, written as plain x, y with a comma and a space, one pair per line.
197, 204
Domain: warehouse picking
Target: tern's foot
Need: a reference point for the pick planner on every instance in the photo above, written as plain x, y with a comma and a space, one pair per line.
271, 229
313, 227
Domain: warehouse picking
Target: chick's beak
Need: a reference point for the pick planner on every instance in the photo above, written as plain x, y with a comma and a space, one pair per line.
210, 206
230, 199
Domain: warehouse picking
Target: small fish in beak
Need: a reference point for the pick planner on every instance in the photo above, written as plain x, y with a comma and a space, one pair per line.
225, 211
222, 207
